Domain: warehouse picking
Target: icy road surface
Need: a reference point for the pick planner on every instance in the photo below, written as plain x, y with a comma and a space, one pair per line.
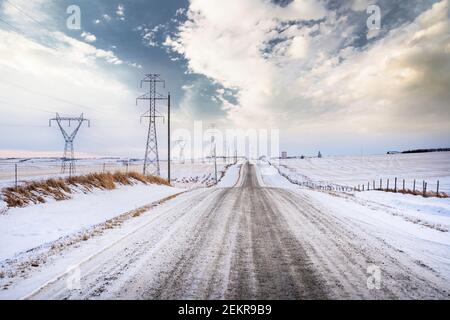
247, 242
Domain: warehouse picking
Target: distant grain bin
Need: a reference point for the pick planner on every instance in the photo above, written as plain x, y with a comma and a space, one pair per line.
283, 155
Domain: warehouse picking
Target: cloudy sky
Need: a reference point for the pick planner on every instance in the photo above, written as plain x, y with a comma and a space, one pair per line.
311, 69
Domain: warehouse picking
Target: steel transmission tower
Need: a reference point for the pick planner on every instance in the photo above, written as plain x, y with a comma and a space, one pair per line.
68, 160
151, 159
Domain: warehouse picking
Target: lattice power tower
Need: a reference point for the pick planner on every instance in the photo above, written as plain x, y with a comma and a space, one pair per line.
68, 160
151, 159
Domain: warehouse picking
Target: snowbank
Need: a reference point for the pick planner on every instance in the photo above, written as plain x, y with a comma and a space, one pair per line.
418, 238
22, 229
419, 226
3, 206
230, 177
271, 178
354, 170
184, 175
432, 212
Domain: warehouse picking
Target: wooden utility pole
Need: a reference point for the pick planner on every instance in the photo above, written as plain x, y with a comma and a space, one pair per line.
168, 138
215, 163
15, 175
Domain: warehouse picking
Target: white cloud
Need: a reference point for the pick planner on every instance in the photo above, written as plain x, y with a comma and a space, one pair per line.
225, 45
150, 34
310, 80
88, 37
180, 12
81, 52
299, 47
405, 75
35, 8
72, 70
361, 5
120, 12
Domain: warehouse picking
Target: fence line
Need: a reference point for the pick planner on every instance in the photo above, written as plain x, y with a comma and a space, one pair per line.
366, 187
14, 173
425, 192
315, 185
19, 172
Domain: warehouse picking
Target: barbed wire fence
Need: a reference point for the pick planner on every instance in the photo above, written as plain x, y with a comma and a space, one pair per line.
395, 185
14, 173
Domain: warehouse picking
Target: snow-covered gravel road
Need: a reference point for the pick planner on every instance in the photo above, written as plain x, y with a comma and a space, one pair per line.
249, 242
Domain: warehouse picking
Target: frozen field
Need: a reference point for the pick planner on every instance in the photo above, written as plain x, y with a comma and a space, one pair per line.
354, 170
255, 236
185, 175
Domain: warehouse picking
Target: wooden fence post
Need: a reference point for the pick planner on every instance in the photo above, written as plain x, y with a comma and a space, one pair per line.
381, 184
395, 185
387, 187
373, 185
15, 174
437, 188
403, 185
414, 186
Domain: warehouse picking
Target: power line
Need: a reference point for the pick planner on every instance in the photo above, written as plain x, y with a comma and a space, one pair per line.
50, 96
25, 107
11, 26
12, 125
26, 14
26, 35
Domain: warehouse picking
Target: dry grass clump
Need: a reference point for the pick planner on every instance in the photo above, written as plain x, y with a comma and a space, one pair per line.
60, 189
427, 194
90, 181
148, 179
35, 192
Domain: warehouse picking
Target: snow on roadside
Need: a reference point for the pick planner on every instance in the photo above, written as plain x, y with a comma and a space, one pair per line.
23, 281
270, 177
26, 228
230, 177
433, 212
3, 205
184, 175
353, 170
426, 245
428, 212
416, 225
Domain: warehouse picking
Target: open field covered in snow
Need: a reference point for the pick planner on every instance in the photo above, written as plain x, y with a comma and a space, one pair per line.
355, 170
27, 228
184, 175
36, 225
419, 226
264, 238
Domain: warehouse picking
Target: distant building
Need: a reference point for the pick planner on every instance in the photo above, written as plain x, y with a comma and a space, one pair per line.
319, 155
283, 155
